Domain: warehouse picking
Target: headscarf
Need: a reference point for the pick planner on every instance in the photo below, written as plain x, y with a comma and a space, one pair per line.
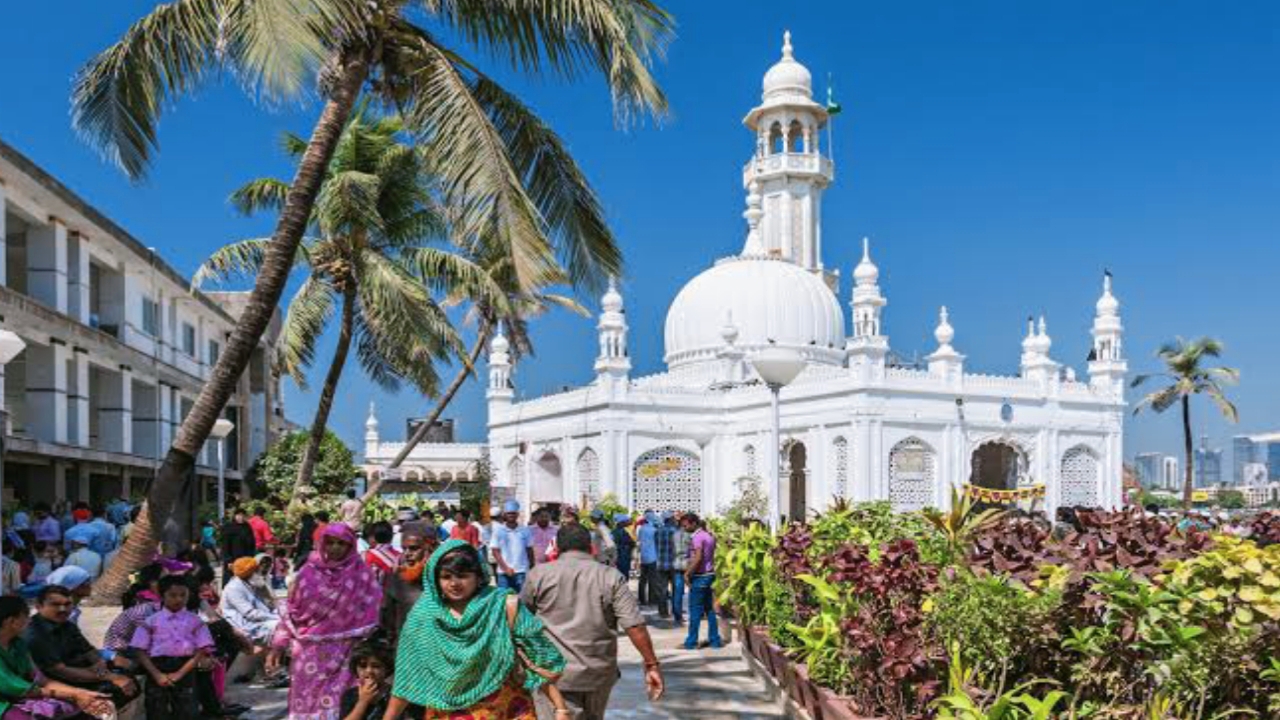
69, 577
81, 515
448, 663
333, 599
244, 568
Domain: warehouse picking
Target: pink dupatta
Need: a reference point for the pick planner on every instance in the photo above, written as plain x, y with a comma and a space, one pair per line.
331, 600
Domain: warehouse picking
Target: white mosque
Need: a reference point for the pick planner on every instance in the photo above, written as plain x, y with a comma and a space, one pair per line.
853, 424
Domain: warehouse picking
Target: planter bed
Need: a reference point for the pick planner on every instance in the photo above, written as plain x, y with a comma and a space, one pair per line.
806, 700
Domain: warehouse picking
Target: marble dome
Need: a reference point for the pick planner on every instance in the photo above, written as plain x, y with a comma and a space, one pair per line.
787, 77
767, 300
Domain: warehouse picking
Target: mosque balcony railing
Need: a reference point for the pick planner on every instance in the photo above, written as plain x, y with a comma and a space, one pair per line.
1001, 383
789, 162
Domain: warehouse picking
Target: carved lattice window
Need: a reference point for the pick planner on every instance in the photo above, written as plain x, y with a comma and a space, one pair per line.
841, 448
911, 470
589, 476
667, 478
749, 458
1079, 478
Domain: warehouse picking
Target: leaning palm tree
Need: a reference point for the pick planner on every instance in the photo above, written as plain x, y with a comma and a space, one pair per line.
499, 164
371, 227
1187, 377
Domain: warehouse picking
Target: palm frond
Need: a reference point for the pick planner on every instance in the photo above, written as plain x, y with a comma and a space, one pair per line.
444, 272
239, 260
618, 38
260, 194
1160, 400
293, 145
1225, 406
309, 312
348, 202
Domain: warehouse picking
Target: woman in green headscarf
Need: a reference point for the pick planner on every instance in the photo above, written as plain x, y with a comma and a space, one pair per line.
470, 650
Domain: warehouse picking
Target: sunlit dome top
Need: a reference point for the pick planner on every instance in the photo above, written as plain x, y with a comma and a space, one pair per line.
787, 77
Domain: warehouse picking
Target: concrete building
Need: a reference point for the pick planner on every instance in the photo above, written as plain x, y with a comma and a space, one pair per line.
1170, 477
853, 424
1208, 468
1261, 449
1147, 467
117, 348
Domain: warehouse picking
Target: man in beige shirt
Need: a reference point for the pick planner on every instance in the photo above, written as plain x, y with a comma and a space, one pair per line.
583, 605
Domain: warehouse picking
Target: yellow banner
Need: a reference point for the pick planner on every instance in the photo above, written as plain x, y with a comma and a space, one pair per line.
1003, 497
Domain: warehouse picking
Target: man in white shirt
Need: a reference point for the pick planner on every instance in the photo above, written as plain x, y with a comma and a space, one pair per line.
512, 548
84, 558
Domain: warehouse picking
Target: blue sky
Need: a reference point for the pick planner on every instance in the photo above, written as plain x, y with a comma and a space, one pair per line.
999, 154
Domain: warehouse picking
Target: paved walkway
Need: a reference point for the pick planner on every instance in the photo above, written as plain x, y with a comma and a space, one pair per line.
701, 685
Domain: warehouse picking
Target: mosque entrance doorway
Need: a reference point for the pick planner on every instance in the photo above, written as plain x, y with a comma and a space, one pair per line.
997, 466
797, 503
548, 480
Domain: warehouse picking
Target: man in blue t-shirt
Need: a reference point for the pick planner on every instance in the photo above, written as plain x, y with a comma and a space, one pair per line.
512, 548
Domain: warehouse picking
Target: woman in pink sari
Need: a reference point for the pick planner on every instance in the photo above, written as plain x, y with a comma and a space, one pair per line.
332, 605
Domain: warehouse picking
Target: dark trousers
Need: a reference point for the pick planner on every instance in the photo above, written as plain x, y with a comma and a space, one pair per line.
624, 562
677, 595
660, 589
178, 701
647, 576
700, 604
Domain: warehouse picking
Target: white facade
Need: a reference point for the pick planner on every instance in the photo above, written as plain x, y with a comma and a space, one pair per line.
117, 349
852, 424
439, 463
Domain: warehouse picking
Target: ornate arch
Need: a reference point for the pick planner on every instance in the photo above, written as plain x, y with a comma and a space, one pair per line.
912, 466
1080, 477
515, 476
589, 476
667, 478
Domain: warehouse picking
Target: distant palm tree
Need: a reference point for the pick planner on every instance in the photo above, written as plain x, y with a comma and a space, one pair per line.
505, 171
372, 222
1188, 377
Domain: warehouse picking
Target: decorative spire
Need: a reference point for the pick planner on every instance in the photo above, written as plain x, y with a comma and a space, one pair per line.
786, 45
752, 214
371, 424
1043, 342
499, 344
866, 273
612, 300
944, 333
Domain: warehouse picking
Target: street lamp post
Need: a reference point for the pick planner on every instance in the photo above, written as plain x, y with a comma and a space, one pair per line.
777, 367
221, 429
10, 346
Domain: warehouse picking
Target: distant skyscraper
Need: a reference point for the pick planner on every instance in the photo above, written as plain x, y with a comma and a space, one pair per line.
1170, 479
1261, 449
1208, 464
1147, 466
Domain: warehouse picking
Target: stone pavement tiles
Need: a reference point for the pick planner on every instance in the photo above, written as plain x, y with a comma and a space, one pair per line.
704, 684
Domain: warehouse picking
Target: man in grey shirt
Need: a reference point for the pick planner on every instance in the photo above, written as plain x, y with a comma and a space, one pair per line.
583, 605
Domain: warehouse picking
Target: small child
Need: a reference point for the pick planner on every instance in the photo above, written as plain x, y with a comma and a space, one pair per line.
372, 664
170, 645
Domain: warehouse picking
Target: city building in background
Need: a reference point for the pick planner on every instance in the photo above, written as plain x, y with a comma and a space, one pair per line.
1208, 465
117, 349
1148, 468
1262, 449
1170, 478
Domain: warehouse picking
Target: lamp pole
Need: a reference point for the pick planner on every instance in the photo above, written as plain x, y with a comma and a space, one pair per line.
777, 367
221, 429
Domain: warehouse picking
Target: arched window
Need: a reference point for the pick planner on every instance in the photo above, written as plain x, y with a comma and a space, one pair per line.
515, 476
1080, 478
589, 476
795, 137
911, 472
667, 478
776, 141
840, 450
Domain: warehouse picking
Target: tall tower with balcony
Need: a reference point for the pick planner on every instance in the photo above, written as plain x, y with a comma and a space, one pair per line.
788, 171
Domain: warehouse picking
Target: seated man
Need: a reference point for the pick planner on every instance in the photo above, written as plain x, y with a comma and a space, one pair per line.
62, 653
77, 581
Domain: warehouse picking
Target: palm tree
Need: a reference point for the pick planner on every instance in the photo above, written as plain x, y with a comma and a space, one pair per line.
1188, 377
506, 171
511, 308
372, 219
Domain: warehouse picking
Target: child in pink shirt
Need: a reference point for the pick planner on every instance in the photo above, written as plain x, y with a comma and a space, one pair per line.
170, 645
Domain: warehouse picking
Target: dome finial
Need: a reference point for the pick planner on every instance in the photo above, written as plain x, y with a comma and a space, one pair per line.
786, 44
944, 333
866, 273
372, 421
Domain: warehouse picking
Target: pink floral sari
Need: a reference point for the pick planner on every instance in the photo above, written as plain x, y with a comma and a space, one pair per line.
331, 607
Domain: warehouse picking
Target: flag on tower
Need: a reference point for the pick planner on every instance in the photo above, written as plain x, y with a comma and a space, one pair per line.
833, 107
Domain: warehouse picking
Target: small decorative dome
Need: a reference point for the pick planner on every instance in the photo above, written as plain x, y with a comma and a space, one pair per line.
1029, 342
499, 343
787, 77
866, 273
372, 422
1108, 305
773, 302
612, 300
1043, 343
944, 333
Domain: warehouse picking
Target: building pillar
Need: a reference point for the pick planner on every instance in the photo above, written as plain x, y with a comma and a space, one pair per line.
115, 413
59, 480
78, 277
78, 397
47, 391
47, 264
165, 421
82, 483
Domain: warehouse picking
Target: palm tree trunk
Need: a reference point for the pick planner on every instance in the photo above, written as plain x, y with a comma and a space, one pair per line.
165, 524
458, 380
1188, 484
307, 465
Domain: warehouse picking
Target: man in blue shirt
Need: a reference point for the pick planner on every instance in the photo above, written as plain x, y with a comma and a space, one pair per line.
664, 539
106, 539
512, 548
646, 538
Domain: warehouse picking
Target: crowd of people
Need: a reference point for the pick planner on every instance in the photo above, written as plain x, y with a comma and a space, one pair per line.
45, 539
426, 615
